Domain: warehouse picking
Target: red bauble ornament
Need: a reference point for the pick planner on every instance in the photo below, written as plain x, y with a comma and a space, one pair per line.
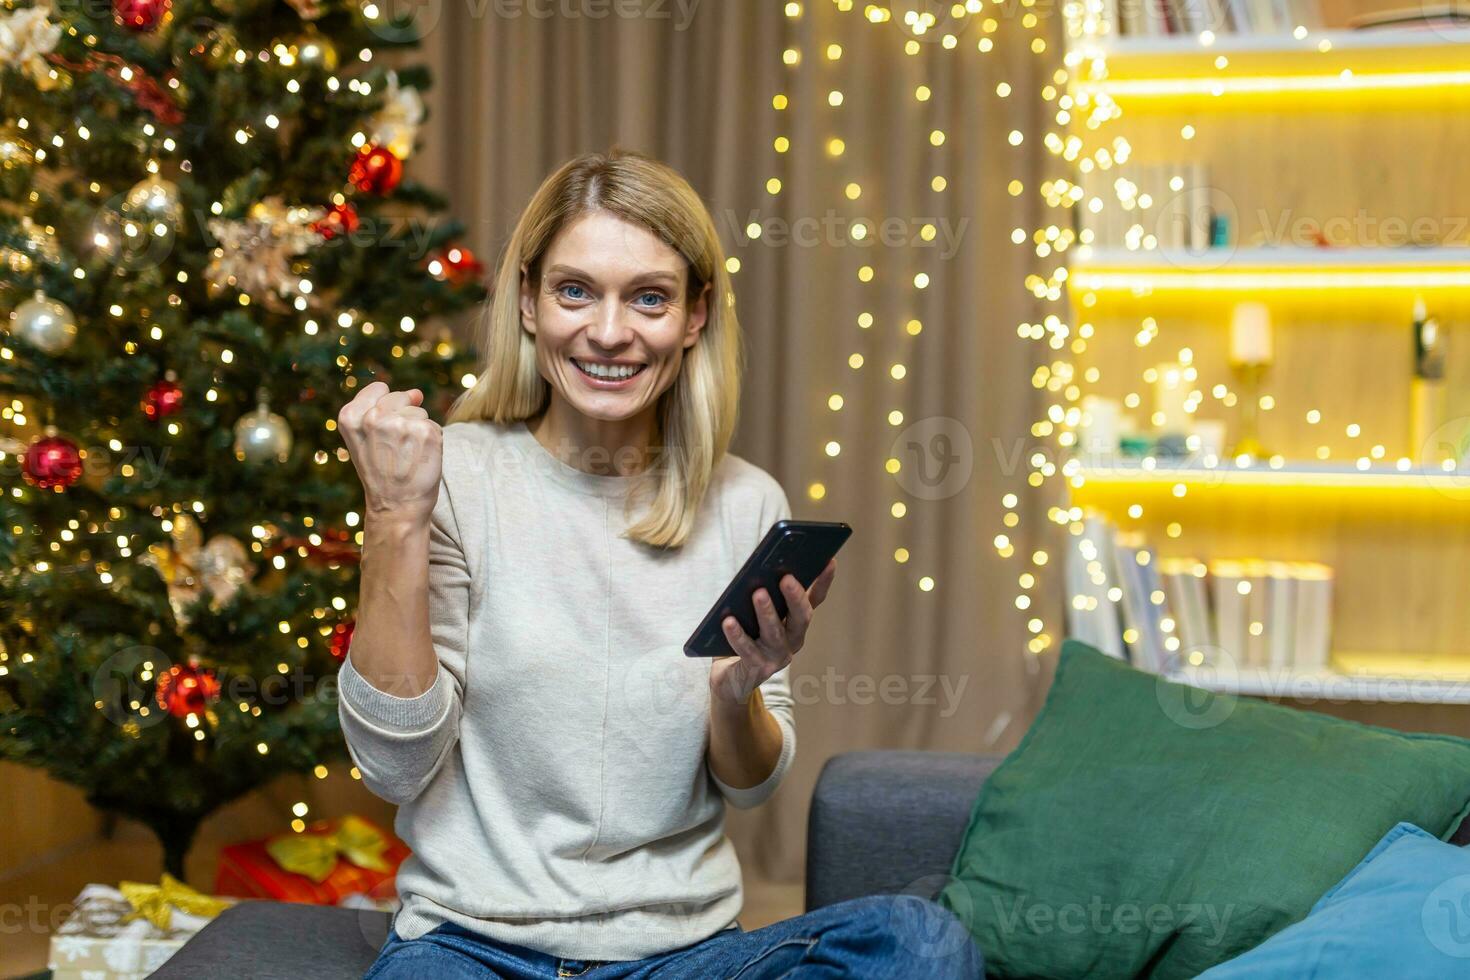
341, 638
140, 15
456, 264
162, 399
52, 463
375, 169
341, 220
187, 690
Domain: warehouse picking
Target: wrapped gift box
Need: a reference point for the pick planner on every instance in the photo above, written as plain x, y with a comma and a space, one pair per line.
248, 870
98, 941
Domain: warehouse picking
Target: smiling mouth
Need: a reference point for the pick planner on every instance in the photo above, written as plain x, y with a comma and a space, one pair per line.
608, 372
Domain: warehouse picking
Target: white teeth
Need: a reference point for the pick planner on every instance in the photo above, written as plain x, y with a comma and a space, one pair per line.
611, 373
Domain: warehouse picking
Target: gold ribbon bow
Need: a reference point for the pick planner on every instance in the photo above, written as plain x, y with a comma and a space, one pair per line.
157, 902
315, 855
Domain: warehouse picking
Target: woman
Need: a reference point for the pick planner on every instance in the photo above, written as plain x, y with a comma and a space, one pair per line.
516, 682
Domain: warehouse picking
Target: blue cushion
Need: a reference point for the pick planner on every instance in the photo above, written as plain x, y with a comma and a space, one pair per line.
1404, 911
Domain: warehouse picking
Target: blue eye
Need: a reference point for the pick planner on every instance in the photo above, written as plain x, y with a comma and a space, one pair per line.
567, 289
657, 299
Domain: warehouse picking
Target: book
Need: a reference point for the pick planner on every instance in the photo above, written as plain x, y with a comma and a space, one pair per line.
1092, 613
1185, 584
1280, 615
1313, 632
1226, 579
1141, 616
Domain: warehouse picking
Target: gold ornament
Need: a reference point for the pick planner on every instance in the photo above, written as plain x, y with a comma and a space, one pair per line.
188, 567
254, 256
310, 48
15, 149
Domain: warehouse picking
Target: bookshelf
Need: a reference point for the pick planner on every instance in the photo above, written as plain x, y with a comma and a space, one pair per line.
1329, 125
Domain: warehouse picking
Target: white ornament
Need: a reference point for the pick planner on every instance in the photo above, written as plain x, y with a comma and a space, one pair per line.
262, 436
26, 37
396, 125
46, 323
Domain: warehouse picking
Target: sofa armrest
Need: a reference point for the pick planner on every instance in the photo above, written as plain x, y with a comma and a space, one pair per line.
266, 940
889, 822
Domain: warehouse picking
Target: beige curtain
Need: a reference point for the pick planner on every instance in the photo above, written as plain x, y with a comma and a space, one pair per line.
888, 664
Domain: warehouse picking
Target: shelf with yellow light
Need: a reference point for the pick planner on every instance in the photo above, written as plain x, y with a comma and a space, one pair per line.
1364, 278
1442, 479
1376, 678
1313, 70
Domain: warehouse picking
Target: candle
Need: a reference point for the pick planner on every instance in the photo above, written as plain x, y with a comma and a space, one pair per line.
1171, 394
1250, 334
1102, 427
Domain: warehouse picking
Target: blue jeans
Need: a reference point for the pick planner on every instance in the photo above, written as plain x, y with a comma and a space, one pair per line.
881, 937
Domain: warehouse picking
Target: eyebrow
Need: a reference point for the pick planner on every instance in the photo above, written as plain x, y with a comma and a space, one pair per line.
658, 276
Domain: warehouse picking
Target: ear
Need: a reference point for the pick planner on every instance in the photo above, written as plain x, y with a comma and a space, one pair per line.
528, 301
698, 316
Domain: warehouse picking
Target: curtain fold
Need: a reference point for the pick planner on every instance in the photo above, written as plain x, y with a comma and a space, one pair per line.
888, 663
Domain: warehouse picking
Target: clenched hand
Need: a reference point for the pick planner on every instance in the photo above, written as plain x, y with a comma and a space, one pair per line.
398, 452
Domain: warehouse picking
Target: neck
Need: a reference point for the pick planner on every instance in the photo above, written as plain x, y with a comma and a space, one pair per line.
605, 447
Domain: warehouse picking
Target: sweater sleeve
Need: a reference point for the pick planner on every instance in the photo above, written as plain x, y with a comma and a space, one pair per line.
399, 743
775, 690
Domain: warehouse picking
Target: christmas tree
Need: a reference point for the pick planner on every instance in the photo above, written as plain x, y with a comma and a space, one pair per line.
210, 241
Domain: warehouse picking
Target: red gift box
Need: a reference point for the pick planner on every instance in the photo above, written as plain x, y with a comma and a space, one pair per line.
247, 870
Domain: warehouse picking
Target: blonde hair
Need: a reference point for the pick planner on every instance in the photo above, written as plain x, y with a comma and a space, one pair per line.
696, 416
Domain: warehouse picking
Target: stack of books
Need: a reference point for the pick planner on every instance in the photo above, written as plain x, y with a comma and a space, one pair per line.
1163, 614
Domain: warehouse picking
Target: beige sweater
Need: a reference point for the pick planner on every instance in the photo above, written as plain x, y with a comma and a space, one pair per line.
552, 783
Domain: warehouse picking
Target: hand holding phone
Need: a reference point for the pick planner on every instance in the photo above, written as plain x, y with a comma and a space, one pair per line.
801, 549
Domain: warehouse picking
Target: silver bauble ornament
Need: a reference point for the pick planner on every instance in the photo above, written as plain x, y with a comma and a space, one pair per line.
154, 200
262, 436
46, 323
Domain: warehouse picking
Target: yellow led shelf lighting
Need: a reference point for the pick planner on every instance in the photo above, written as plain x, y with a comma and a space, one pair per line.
1386, 279
1313, 70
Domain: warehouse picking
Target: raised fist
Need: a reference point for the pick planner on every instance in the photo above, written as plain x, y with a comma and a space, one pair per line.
398, 452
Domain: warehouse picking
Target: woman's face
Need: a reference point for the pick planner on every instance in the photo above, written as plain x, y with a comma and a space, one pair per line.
610, 316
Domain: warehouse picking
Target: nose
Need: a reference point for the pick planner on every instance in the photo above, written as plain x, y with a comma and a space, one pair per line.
609, 330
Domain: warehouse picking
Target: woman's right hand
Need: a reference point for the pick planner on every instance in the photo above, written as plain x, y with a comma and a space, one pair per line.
398, 452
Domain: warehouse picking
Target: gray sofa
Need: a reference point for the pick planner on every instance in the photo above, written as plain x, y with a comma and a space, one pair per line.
880, 822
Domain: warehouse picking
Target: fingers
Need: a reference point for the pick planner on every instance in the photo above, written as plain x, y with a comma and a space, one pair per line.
741, 642
773, 632
395, 402
378, 398
818, 591
798, 611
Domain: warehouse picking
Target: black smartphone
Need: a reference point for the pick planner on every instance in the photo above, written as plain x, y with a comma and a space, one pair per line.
800, 548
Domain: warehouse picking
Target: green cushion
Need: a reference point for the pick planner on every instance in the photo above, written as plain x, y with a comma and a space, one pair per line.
1146, 828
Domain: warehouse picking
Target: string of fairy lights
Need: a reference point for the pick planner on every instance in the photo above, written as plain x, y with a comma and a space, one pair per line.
922, 31
1082, 141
